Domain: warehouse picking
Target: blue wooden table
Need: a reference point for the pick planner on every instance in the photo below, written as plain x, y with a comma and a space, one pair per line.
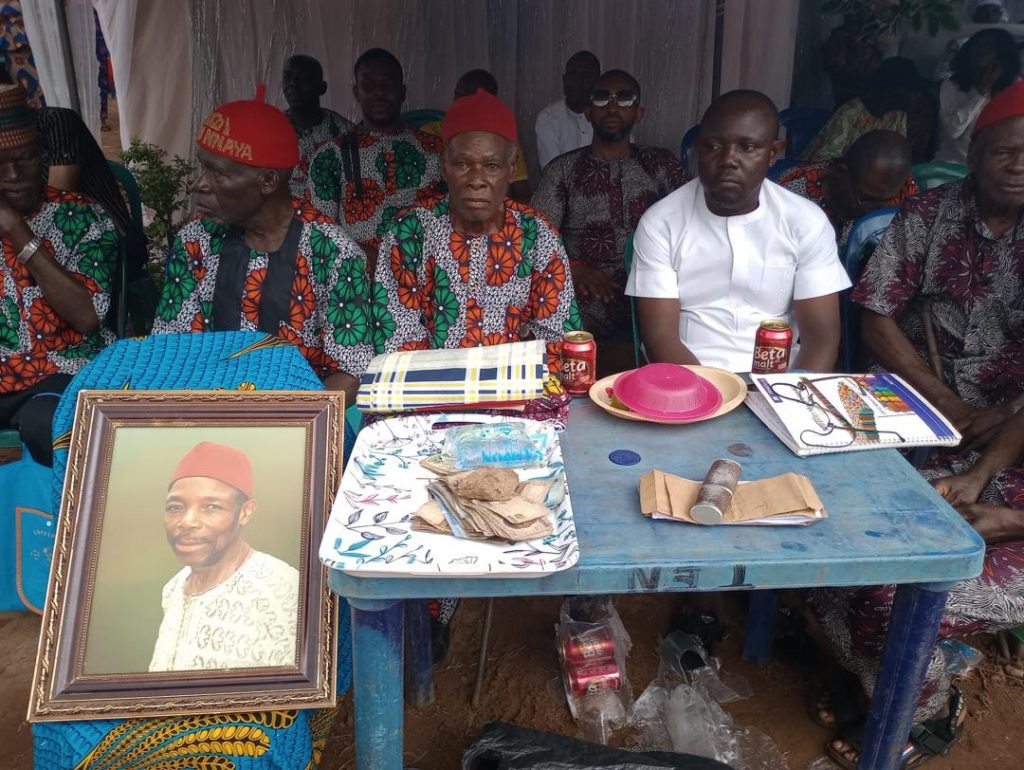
886, 525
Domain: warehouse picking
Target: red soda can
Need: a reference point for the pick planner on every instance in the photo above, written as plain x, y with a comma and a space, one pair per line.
771, 346
597, 677
579, 362
598, 644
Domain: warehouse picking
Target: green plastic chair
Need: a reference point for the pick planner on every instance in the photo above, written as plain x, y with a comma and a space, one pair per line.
418, 118
9, 439
929, 175
637, 346
140, 288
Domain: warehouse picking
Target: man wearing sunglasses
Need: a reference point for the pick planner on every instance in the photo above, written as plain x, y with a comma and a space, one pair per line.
562, 125
730, 249
875, 172
595, 196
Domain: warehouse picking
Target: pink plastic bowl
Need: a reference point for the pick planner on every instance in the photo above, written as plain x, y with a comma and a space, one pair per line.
667, 392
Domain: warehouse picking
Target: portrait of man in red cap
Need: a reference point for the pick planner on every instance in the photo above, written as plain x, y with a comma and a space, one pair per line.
230, 606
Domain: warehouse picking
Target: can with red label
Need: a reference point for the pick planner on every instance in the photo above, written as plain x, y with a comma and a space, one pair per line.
597, 677
771, 346
591, 646
579, 362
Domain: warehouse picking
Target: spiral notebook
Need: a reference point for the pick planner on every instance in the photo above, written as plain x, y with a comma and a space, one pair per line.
820, 413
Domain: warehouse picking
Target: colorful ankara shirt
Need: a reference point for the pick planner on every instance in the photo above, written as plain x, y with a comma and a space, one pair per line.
366, 177
808, 181
596, 205
324, 312
848, 124
437, 288
938, 251
331, 126
35, 342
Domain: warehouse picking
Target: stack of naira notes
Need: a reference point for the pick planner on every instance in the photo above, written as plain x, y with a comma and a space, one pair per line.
488, 504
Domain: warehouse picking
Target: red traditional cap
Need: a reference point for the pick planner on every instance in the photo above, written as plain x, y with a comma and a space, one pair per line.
252, 132
217, 461
480, 112
1008, 103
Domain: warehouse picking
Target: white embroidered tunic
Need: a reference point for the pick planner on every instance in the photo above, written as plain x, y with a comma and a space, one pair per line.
247, 621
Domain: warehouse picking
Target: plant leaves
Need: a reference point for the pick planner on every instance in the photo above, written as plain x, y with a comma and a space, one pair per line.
394, 531
372, 536
354, 516
379, 517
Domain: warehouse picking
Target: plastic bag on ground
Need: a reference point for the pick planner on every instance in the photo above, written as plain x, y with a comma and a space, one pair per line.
503, 746
592, 648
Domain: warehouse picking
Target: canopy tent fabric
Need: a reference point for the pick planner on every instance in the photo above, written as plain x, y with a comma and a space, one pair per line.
173, 62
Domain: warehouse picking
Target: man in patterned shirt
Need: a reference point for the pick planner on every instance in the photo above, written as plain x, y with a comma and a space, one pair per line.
952, 258
595, 196
473, 268
379, 167
59, 254
875, 172
303, 85
259, 259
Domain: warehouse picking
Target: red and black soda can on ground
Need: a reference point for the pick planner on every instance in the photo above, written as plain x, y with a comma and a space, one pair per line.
579, 362
771, 347
598, 677
592, 646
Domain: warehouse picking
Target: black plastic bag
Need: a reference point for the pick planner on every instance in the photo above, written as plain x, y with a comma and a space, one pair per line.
503, 746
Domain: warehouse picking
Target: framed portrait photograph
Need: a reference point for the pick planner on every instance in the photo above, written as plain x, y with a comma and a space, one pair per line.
185, 577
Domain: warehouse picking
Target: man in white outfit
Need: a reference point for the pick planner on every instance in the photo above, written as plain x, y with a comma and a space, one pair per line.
730, 249
230, 606
563, 126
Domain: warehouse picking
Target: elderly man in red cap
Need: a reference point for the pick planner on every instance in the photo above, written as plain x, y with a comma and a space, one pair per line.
257, 259
230, 606
59, 254
473, 267
944, 307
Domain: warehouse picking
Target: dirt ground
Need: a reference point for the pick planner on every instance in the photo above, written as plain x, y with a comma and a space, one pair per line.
522, 687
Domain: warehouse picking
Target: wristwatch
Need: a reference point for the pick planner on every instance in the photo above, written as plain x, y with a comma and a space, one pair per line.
29, 250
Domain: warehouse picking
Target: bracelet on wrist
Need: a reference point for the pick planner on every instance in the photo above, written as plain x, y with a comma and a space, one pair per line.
29, 249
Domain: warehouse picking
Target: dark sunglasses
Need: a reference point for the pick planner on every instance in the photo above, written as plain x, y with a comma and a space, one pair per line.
622, 98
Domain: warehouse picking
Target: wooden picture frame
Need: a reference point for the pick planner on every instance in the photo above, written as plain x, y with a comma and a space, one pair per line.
114, 564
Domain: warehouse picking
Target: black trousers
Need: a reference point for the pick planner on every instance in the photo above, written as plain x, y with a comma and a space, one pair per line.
31, 412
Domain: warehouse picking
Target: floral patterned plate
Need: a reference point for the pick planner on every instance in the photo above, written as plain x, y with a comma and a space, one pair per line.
369, 534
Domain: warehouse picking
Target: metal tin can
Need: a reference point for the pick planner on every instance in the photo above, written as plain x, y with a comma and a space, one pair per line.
715, 495
579, 362
597, 677
594, 645
771, 346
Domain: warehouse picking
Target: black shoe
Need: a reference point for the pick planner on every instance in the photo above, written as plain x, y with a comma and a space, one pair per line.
439, 639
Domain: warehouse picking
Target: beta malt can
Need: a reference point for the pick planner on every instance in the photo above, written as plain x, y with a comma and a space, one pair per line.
598, 677
579, 362
771, 347
592, 646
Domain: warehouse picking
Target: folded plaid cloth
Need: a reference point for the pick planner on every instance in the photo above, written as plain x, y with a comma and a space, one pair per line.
495, 375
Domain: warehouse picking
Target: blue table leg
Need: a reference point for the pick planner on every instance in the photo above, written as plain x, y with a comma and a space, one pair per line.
913, 628
377, 683
419, 663
757, 647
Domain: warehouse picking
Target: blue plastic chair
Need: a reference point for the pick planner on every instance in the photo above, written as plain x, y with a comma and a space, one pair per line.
802, 125
780, 167
687, 144
929, 175
864, 236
